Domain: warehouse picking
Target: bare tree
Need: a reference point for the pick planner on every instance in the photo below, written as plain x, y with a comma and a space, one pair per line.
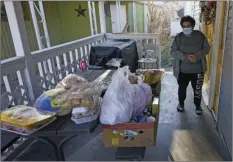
160, 17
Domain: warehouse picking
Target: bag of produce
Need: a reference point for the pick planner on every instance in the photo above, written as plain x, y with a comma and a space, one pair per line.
118, 101
70, 81
133, 79
82, 95
142, 96
43, 102
151, 76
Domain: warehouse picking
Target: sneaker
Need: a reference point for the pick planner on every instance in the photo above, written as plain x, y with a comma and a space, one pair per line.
198, 110
180, 108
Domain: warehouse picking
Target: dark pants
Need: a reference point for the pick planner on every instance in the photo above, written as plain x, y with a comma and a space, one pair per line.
196, 81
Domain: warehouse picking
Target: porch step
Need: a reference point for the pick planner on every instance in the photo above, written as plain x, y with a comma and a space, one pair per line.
130, 153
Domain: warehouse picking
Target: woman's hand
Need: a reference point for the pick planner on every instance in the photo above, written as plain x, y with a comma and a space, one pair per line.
192, 58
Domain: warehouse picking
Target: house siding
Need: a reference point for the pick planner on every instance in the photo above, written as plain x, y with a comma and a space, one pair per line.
225, 99
53, 22
7, 46
72, 26
140, 17
62, 21
108, 19
130, 17
63, 24
52, 19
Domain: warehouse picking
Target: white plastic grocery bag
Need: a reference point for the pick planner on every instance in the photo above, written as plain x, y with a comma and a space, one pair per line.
118, 101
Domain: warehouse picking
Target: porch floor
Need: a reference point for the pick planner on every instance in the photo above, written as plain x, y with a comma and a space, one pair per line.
183, 137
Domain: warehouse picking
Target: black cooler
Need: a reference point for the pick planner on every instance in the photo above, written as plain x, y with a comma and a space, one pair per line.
125, 49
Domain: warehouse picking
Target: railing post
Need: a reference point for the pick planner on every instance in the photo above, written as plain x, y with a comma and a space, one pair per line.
21, 43
102, 17
159, 51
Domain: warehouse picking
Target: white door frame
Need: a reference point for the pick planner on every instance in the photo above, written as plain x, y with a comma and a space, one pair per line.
145, 17
117, 17
214, 61
224, 40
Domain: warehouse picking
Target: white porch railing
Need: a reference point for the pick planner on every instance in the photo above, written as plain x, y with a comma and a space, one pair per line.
65, 59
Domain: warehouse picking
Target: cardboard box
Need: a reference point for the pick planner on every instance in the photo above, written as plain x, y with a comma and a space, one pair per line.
133, 134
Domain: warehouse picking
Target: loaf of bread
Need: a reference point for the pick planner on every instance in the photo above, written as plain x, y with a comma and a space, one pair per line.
70, 81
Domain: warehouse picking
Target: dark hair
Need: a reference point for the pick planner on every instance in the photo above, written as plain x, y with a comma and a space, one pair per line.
188, 19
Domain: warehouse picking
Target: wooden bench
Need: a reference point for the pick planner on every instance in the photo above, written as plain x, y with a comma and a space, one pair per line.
62, 127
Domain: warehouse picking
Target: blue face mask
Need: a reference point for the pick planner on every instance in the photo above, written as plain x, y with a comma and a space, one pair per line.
187, 31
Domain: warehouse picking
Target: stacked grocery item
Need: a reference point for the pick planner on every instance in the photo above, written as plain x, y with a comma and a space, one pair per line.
70, 81
127, 99
129, 96
25, 120
130, 108
74, 94
153, 78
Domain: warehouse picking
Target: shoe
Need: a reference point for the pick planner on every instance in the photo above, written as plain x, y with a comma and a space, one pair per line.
198, 110
180, 108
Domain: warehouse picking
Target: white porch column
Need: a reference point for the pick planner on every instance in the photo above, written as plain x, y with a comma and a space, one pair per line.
35, 23
90, 17
46, 32
49, 64
118, 16
38, 36
145, 17
21, 43
102, 17
94, 16
47, 39
134, 18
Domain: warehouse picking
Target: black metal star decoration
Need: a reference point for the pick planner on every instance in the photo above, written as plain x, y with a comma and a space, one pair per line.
80, 11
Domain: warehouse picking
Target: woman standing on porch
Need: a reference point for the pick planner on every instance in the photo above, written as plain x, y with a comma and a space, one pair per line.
189, 49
